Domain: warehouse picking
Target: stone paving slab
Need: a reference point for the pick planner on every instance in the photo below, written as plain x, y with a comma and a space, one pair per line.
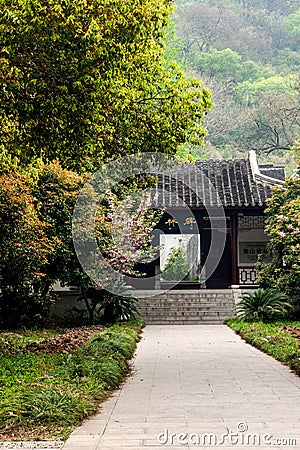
197, 386
26, 445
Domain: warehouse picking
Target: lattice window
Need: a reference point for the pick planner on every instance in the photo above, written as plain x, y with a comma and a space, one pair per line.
251, 222
247, 275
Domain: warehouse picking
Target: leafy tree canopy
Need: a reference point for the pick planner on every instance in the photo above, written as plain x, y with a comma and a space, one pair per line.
227, 65
292, 25
251, 92
85, 80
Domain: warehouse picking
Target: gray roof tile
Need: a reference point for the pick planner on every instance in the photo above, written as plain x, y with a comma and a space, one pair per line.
215, 183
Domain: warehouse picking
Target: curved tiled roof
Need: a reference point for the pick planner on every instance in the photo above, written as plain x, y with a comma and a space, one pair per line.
215, 183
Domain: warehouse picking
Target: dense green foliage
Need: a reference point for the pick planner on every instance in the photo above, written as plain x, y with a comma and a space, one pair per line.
81, 82
176, 267
56, 190
109, 307
283, 227
86, 81
269, 339
37, 249
50, 394
262, 305
36, 239
247, 53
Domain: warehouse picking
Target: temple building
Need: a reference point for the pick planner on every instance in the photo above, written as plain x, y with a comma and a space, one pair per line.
213, 223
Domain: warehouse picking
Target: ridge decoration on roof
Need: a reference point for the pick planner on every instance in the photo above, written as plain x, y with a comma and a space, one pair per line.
232, 183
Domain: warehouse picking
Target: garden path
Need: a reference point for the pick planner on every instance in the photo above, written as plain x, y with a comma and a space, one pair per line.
197, 386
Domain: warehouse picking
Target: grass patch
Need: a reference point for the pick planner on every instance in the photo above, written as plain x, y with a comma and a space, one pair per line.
50, 394
269, 339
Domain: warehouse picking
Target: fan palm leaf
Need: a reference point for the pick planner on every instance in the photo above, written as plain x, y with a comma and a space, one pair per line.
263, 304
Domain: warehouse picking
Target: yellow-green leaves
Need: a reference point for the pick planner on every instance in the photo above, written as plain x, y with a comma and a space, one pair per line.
86, 80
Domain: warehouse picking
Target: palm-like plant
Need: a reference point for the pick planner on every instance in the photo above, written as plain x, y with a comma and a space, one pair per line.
121, 304
118, 303
263, 305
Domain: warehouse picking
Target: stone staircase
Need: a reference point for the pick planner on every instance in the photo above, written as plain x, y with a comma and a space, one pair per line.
186, 307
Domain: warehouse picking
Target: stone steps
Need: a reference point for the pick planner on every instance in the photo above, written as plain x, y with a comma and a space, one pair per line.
186, 306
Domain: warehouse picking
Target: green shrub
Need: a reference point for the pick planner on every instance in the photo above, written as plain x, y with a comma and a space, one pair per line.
121, 305
176, 268
283, 226
111, 307
262, 305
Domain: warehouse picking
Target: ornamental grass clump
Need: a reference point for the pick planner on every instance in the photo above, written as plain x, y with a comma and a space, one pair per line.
263, 305
45, 394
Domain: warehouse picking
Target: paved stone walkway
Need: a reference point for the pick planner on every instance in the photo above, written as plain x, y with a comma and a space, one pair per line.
197, 387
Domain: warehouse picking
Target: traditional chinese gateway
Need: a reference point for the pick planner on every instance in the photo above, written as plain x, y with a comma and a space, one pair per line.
219, 201
193, 201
